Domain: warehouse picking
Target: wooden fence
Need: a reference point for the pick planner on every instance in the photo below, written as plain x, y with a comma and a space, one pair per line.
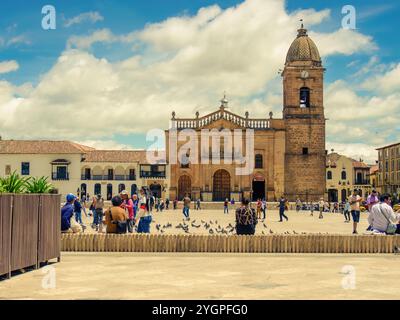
313, 243
30, 230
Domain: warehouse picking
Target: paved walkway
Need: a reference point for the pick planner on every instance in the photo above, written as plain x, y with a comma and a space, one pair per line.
210, 276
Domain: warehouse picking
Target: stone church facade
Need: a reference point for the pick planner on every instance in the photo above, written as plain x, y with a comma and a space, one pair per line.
289, 153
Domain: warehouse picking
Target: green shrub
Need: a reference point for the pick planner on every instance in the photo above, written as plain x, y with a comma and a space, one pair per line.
13, 183
39, 185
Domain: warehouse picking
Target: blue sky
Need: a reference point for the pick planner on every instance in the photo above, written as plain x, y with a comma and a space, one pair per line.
37, 51
378, 19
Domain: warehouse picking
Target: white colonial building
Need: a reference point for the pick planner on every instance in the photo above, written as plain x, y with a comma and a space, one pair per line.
75, 168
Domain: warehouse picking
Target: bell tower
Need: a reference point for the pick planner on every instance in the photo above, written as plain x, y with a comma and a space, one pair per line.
303, 114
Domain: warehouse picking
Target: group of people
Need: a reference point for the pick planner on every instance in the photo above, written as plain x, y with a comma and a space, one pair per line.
127, 211
122, 216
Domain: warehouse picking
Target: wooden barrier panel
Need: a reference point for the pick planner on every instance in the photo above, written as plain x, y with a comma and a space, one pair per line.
5, 234
49, 245
25, 224
313, 243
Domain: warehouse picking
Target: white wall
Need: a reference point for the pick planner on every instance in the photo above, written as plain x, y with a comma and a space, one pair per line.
40, 166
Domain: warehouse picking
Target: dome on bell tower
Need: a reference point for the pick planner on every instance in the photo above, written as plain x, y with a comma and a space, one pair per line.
303, 49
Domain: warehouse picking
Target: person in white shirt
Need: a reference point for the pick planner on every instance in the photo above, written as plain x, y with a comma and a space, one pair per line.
381, 214
354, 201
321, 205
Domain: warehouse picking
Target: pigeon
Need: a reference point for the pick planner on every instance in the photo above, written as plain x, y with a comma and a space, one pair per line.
211, 231
294, 232
270, 231
195, 226
396, 250
263, 233
158, 227
265, 226
162, 231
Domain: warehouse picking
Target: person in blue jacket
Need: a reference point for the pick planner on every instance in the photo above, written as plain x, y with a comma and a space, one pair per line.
67, 212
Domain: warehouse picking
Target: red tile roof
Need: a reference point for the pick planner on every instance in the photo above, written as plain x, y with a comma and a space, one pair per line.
41, 147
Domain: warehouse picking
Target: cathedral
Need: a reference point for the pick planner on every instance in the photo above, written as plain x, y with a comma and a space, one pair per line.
289, 153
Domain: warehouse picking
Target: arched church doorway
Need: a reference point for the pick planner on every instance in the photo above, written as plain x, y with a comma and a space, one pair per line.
155, 189
221, 185
258, 187
184, 186
332, 195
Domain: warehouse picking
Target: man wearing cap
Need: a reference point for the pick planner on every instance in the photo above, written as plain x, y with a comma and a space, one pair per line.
67, 212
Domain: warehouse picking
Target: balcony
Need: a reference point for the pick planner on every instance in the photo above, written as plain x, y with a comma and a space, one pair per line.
361, 182
109, 178
152, 174
60, 177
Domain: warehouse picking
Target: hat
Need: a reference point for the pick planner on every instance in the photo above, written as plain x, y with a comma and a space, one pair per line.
124, 192
70, 197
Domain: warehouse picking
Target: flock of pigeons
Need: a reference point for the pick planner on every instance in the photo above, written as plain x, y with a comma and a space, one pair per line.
211, 227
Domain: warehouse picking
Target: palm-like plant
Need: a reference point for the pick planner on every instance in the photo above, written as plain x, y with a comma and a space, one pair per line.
13, 183
39, 185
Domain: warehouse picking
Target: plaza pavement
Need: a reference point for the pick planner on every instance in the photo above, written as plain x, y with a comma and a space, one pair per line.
210, 276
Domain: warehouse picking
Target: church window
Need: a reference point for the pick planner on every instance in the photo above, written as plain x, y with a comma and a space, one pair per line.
259, 161
304, 97
329, 175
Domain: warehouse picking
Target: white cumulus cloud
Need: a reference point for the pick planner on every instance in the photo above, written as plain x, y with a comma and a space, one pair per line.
92, 16
8, 66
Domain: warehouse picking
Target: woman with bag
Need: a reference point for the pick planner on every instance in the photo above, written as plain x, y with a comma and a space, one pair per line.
143, 217
127, 205
116, 218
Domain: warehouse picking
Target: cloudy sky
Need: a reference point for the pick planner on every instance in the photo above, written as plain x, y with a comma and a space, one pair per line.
112, 70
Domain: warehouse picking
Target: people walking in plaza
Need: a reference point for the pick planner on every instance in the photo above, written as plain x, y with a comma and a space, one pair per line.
346, 212
152, 201
246, 219
198, 202
321, 206
167, 204
186, 206
116, 216
282, 207
382, 218
354, 201
298, 205
226, 206
264, 208
78, 211
83, 204
175, 204
258, 208
144, 217
135, 201
312, 209
99, 205
127, 205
